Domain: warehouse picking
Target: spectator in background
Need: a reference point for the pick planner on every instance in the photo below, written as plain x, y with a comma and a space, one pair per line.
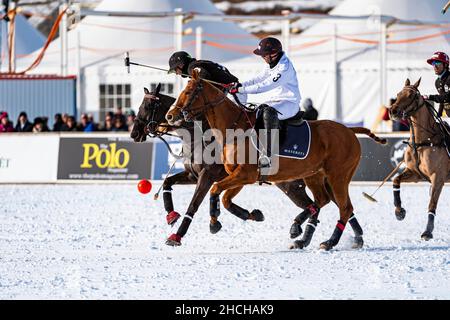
23, 125
65, 117
5, 124
85, 125
70, 125
310, 112
119, 125
108, 125
40, 125
91, 120
130, 119
119, 114
57, 126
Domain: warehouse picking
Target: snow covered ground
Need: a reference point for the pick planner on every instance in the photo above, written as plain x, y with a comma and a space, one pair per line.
107, 242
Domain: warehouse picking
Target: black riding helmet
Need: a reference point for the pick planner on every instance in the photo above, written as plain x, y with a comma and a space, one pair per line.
267, 46
177, 59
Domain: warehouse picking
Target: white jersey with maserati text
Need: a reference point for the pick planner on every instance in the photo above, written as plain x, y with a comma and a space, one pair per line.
282, 83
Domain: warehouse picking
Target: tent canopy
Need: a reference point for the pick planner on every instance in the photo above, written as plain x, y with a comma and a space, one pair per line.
27, 39
104, 40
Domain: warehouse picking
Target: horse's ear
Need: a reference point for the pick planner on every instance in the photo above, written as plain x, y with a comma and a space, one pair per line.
417, 83
158, 88
146, 91
407, 82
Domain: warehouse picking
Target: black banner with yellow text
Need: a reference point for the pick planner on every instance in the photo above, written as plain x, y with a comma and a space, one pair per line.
108, 158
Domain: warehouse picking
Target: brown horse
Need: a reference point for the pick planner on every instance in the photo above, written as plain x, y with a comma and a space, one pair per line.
334, 154
426, 156
151, 121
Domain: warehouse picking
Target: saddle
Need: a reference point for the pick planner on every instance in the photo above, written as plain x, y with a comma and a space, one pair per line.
295, 121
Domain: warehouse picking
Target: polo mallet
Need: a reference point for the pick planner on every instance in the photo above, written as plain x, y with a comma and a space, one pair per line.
156, 196
370, 197
444, 10
128, 63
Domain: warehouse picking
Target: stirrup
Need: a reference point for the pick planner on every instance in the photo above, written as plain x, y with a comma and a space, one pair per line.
264, 162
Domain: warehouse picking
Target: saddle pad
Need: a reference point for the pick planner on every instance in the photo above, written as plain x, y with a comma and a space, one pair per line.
297, 142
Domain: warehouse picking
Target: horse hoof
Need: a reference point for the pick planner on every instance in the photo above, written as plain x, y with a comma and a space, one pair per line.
358, 243
214, 228
172, 217
400, 214
427, 236
296, 230
298, 244
327, 245
257, 215
174, 240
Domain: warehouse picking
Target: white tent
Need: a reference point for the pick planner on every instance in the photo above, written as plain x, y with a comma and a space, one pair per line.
27, 40
355, 72
100, 43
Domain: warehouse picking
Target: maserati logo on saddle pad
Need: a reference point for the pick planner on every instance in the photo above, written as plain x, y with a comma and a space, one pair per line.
297, 142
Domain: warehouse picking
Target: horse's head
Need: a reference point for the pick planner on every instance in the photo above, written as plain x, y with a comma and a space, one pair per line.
408, 101
151, 114
192, 101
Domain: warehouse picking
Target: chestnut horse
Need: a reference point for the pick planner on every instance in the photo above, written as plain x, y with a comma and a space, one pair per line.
151, 121
334, 153
426, 156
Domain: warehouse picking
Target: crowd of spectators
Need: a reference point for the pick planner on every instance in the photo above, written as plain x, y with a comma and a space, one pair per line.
117, 122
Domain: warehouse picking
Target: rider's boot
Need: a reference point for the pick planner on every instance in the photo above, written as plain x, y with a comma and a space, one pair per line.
271, 121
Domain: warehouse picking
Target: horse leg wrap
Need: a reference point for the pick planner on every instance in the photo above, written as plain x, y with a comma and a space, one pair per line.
185, 224
239, 212
214, 206
302, 217
355, 226
336, 236
428, 234
430, 224
397, 201
172, 217
309, 230
167, 198
358, 241
311, 211
314, 209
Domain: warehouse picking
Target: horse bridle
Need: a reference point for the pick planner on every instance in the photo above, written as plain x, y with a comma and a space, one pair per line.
150, 119
150, 124
186, 109
407, 113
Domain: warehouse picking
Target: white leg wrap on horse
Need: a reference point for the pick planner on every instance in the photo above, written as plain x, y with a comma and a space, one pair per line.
310, 224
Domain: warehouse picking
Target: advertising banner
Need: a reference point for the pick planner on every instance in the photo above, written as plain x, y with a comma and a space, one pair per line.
28, 158
377, 161
104, 158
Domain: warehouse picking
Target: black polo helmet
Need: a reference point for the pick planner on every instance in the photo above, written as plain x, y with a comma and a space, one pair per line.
177, 59
267, 46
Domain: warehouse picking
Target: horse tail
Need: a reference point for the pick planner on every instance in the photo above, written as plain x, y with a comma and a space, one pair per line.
369, 133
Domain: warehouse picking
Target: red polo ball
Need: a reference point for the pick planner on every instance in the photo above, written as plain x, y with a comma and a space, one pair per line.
144, 186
